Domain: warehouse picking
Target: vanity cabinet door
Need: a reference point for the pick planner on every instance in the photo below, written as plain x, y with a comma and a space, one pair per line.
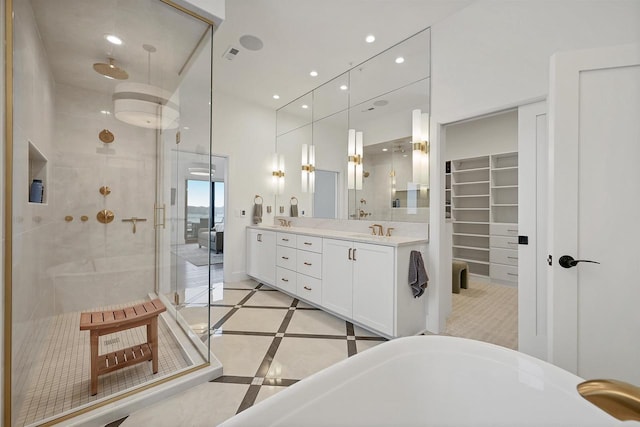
373, 286
337, 271
261, 255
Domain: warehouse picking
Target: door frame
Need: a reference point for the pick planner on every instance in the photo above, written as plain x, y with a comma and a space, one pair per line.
441, 227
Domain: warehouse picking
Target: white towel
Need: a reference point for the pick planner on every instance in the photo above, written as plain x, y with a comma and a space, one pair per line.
257, 213
418, 278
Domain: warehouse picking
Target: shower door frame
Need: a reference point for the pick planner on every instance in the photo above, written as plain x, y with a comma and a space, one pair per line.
7, 9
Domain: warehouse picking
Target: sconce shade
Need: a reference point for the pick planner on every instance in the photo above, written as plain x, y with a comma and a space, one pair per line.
420, 143
277, 179
354, 164
307, 172
145, 106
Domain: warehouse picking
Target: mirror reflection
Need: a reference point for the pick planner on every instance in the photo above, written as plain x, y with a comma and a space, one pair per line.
357, 146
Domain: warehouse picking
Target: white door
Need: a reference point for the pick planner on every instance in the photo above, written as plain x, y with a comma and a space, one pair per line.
594, 139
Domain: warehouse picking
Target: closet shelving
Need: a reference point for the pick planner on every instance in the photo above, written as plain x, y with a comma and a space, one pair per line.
504, 218
484, 206
470, 184
447, 191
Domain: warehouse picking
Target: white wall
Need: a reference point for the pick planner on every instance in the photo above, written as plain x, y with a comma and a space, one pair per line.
488, 135
245, 133
495, 54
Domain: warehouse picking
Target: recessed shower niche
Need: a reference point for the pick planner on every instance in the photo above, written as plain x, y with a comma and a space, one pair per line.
37, 172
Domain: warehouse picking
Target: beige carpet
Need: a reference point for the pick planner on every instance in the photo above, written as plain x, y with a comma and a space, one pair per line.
486, 312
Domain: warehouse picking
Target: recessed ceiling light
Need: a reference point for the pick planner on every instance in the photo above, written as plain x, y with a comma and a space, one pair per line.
405, 155
399, 60
113, 39
276, 96
344, 87
106, 112
385, 149
305, 106
370, 38
313, 73
186, 128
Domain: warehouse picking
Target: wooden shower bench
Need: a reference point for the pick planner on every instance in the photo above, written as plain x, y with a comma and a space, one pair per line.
100, 323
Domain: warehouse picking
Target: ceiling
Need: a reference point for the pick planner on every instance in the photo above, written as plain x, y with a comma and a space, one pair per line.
299, 36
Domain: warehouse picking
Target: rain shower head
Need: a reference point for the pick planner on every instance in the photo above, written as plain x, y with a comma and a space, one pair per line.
110, 70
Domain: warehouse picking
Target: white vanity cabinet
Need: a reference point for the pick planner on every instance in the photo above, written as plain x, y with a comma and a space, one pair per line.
365, 283
261, 255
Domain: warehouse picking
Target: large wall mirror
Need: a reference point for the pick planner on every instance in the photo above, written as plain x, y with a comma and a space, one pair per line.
357, 146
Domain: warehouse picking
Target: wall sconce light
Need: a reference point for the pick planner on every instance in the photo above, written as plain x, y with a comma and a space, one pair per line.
308, 175
420, 144
355, 158
278, 173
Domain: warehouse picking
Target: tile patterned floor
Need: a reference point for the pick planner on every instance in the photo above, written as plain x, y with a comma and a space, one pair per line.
62, 380
266, 341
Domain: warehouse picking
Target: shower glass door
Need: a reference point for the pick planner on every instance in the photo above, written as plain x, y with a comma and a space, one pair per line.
111, 105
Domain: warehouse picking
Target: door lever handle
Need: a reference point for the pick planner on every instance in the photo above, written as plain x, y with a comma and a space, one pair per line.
567, 261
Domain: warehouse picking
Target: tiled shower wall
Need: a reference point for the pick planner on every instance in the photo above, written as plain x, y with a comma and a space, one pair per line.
32, 224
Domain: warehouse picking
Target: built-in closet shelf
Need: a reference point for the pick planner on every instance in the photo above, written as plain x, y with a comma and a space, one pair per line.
470, 183
475, 261
473, 248
471, 235
473, 222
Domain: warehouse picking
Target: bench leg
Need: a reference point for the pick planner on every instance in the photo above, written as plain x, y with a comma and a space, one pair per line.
152, 338
94, 362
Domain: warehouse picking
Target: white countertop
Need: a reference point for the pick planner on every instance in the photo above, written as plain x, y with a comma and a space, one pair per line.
394, 241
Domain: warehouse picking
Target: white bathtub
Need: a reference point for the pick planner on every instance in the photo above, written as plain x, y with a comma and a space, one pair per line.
432, 381
91, 283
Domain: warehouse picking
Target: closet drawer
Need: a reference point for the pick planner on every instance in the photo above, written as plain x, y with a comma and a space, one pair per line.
286, 257
503, 229
504, 272
503, 242
286, 239
309, 263
309, 243
286, 280
309, 288
504, 256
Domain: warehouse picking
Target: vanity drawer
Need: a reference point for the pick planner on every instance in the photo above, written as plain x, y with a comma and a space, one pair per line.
286, 239
286, 257
503, 272
286, 280
309, 243
503, 229
503, 242
309, 288
309, 263
504, 256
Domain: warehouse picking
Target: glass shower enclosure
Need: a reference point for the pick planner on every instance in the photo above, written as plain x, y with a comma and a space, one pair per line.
110, 97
